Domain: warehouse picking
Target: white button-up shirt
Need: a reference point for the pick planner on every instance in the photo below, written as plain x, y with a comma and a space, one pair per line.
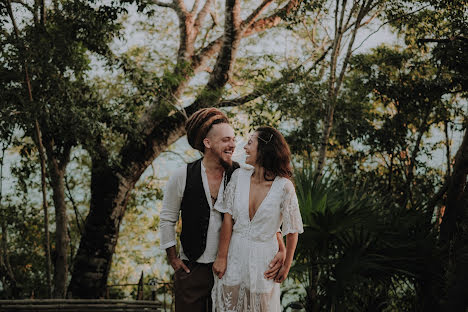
171, 209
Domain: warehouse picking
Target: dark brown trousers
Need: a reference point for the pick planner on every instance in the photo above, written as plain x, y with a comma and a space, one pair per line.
193, 290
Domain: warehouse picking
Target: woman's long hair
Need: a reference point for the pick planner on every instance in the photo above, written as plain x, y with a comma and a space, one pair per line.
273, 153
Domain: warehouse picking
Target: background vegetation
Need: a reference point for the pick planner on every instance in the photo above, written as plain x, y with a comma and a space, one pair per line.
93, 99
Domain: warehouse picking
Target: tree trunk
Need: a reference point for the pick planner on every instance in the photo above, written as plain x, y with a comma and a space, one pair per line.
332, 90
38, 142
447, 149
328, 124
110, 190
454, 230
458, 263
336, 76
454, 210
57, 181
109, 195
45, 207
312, 303
412, 164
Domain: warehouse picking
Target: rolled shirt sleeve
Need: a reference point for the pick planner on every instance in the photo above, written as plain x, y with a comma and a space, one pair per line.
171, 207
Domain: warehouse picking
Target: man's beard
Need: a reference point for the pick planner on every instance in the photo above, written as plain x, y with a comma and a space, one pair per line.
225, 163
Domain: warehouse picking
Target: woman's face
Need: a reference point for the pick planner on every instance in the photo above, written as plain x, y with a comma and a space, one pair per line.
251, 150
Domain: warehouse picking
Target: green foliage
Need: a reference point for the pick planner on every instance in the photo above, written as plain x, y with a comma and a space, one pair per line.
307, 8
302, 104
406, 101
440, 27
24, 230
394, 104
359, 251
57, 56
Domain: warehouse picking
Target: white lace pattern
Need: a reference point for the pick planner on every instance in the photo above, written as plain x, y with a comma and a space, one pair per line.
253, 245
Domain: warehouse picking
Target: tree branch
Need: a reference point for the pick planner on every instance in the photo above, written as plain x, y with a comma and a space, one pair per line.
195, 6
272, 20
38, 141
78, 217
199, 60
164, 4
320, 59
213, 25
349, 52
336, 47
371, 18
180, 5
187, 39
309, 35
223, 67
260, 91
201, 15
388, 22
443, 40
447, 148
350, 15
43, 12
425, 125
156, 139
255, 14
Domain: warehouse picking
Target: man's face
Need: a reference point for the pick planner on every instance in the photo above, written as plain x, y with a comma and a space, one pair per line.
220, 141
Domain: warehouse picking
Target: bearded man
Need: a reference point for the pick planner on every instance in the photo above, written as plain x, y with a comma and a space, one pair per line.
192, 192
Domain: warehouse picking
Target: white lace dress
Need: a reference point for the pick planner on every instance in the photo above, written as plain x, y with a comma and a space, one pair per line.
253, 244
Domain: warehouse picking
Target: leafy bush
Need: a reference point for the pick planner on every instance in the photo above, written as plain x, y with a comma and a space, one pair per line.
360, 251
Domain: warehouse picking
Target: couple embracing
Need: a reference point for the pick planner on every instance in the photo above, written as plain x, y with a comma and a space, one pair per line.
232, 255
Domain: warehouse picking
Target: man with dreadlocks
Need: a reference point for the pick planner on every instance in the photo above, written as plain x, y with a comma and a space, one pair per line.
192, 191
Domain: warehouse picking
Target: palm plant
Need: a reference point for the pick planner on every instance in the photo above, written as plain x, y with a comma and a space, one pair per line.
359, 251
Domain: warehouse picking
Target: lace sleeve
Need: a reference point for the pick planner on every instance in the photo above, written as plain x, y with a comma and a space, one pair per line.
292, 220
227, 202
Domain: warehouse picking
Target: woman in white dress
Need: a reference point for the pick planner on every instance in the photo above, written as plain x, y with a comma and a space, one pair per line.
256, 204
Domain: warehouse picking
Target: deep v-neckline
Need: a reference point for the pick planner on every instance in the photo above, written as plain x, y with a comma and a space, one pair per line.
263, 200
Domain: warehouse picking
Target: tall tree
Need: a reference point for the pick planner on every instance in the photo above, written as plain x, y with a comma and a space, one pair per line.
54, 64
332, 29
59, 40
8, 276
161, 124
411, 97
442, 27
454, 230
349, 18
61, 221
